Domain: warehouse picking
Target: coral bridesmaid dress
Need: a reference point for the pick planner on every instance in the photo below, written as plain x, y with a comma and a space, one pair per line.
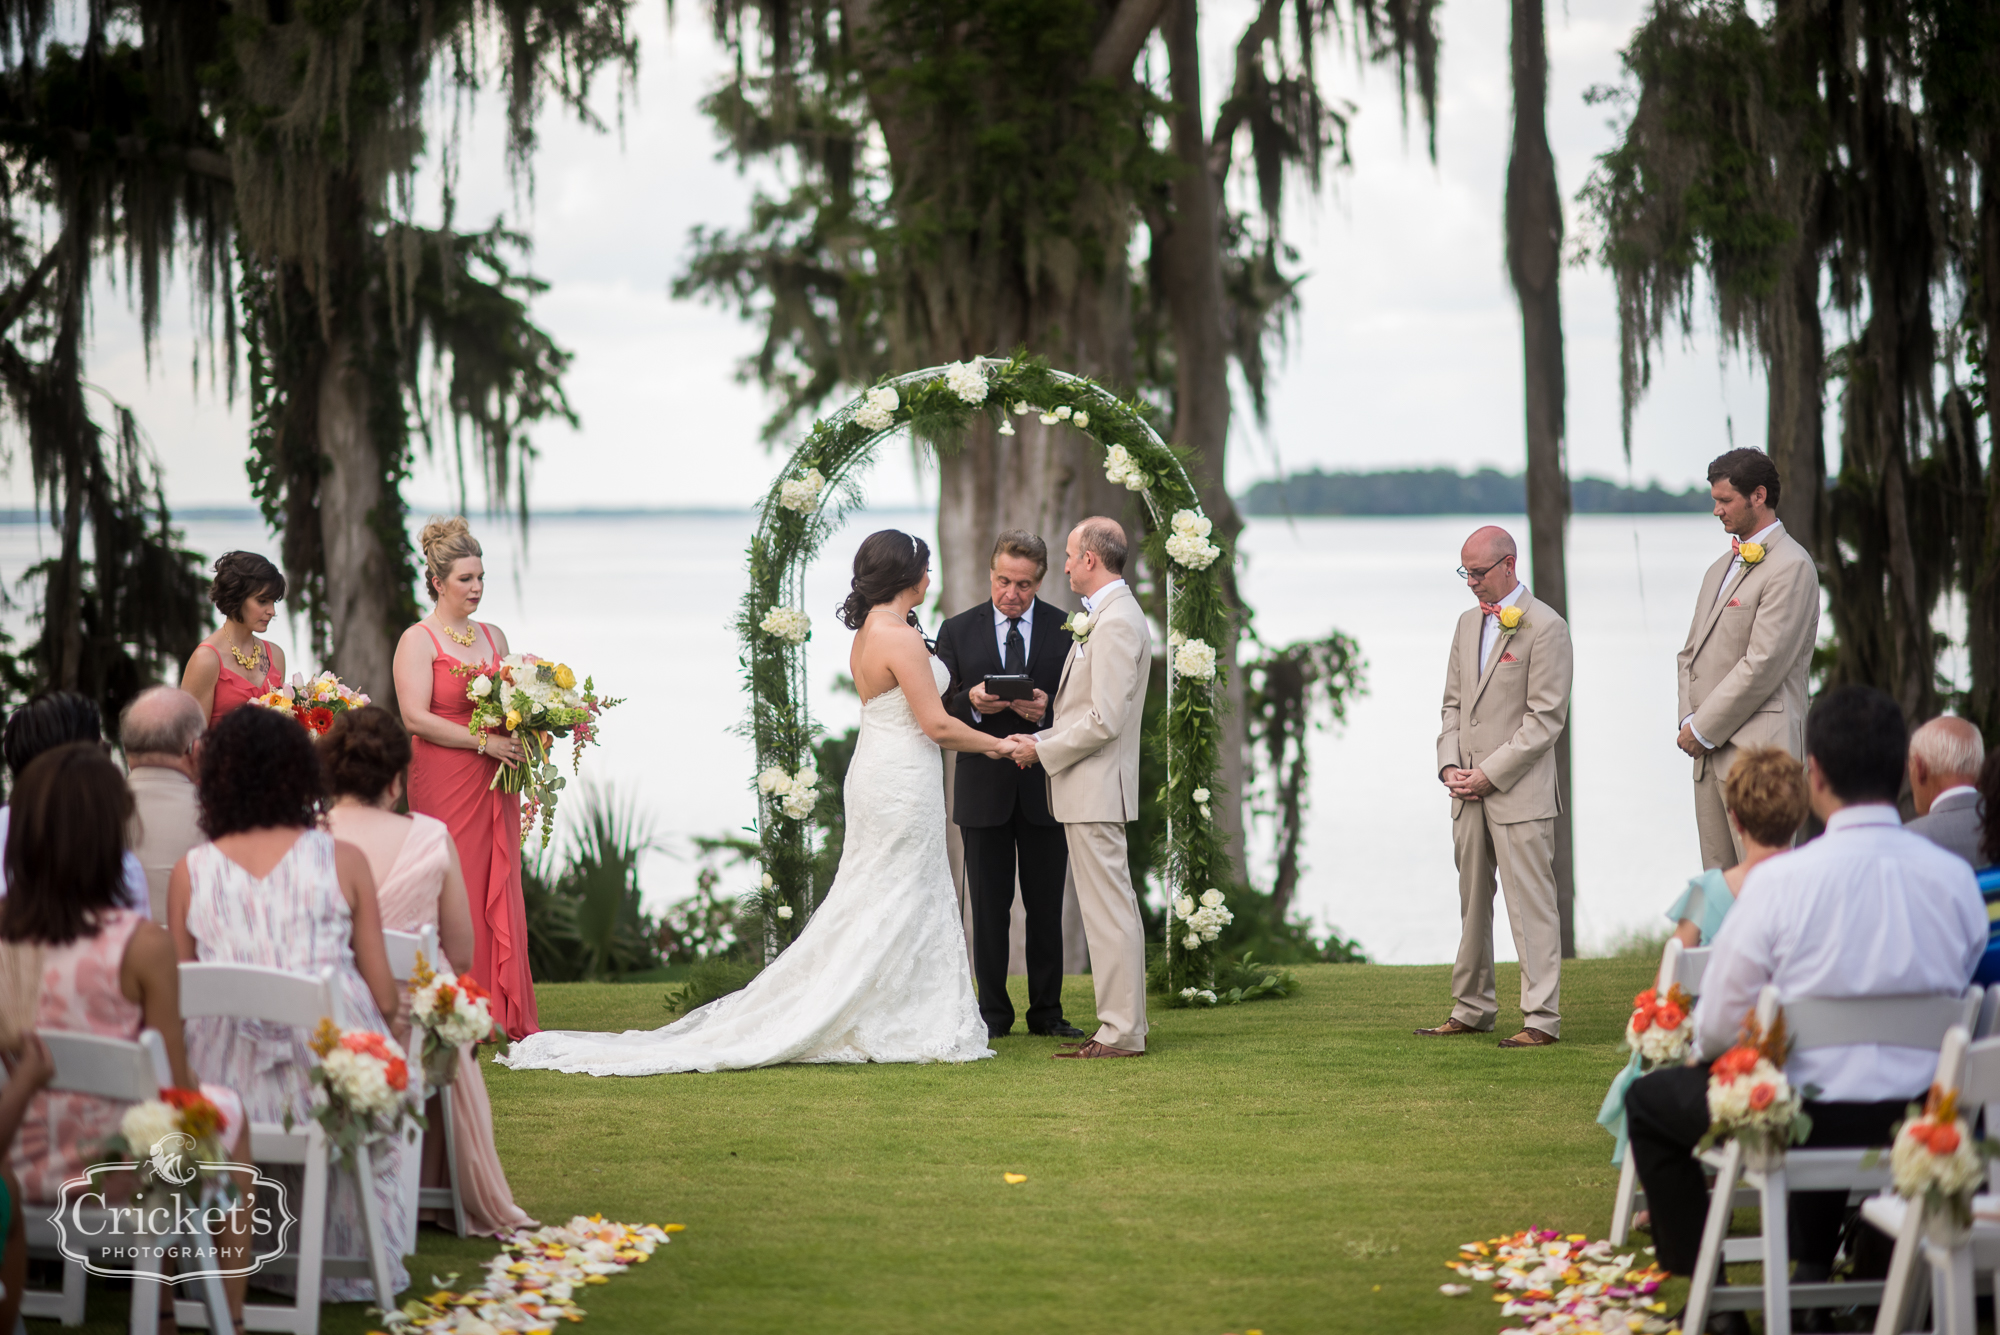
451, 785
233, 689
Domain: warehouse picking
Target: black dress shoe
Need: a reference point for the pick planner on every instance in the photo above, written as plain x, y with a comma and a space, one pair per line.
993, 1031
1060, 1029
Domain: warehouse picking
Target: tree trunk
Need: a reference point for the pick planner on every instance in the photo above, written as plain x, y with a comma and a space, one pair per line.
1983, 588
1795, 370
1534, 263
350, 496
1193, 263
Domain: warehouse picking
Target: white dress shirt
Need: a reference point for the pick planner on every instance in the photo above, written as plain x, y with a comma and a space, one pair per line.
1489, 630
1728, 578
1867, 909
1090, 599
136, 894
1027, 620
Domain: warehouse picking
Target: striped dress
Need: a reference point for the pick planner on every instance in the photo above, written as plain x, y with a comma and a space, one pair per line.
295, 918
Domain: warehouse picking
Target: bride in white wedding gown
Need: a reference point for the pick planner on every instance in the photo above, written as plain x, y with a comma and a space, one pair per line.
879, 973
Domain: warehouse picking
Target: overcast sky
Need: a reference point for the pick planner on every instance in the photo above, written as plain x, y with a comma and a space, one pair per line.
1408, 352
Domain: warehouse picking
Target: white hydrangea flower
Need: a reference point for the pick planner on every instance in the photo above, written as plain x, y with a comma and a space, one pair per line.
802, 493
784, 912
880, 409
1211, 898
967, 380
1195, 660
809, 774
146, 1124
789, 624
799, 802
1192, 550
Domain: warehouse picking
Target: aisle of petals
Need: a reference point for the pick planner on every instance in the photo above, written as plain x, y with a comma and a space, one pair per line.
1563, 1284
531, 1285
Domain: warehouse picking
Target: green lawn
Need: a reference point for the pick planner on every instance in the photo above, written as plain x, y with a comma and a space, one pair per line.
1293, 1166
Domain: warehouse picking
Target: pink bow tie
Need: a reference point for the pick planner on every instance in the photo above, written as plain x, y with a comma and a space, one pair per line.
1491, 609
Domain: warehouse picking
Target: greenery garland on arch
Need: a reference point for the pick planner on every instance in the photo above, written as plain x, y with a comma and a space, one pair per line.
820, 484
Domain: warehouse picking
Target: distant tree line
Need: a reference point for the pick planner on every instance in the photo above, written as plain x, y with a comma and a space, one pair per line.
1443, 491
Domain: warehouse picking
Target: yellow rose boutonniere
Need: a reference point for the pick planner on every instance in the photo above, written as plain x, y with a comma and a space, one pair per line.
1751, 552
1510, 620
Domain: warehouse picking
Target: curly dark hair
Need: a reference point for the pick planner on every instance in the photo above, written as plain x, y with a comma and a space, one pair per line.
65, 846
259, 770
886, 563
51, 719
241, 576
363, 752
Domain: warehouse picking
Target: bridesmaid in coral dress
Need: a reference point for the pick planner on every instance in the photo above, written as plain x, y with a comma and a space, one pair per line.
418, 885
451, 770
246, 591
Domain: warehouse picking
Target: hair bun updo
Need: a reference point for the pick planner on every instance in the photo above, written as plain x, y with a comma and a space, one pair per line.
887, 563
363, 752
446, 540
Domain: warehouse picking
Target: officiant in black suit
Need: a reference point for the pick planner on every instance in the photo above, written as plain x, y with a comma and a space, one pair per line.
1002, 810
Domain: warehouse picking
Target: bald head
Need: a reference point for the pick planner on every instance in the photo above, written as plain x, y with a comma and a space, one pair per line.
1945, 753
1489, 544
160, 727
1487, 562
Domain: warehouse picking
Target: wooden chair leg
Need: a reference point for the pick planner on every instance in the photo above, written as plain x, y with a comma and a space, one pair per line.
1621, 1209
1708, 1261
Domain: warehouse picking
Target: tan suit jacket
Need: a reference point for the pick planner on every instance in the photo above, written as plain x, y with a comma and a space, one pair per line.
164, 826
1743, 671
1091, 747
1504, 719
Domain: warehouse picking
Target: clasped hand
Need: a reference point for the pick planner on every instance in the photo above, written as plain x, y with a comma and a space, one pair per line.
1020, 748
1467, 784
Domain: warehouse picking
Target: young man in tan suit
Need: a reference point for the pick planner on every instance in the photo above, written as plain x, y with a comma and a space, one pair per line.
1091, 752
1506, 701
1743, 670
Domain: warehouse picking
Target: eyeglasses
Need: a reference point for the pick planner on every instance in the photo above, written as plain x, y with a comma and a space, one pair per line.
1463, 573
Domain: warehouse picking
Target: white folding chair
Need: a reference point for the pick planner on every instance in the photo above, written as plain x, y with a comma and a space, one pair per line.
1972, 1069
274, 996
1812, 1022
1682, 966
127, 1072
403, 950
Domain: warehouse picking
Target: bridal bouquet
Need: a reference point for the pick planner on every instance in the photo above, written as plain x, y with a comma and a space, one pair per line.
1661, 1031
1750, 1099
367, 1086
1936, 1160
315, 703
450, 1012
533, 701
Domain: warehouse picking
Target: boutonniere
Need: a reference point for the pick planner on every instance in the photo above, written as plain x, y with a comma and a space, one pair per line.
1511, 620
1751, 552
1078, 625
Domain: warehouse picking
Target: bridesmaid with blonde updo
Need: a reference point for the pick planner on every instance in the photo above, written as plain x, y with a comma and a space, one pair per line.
452, 769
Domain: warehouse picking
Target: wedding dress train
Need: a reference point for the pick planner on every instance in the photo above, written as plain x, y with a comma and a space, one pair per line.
880, 972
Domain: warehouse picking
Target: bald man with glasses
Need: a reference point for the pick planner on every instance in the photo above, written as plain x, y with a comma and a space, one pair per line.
1506, 701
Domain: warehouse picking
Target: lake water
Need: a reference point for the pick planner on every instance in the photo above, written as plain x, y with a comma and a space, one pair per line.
645, 603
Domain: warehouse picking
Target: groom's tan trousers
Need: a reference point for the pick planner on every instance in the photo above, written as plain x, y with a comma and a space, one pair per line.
1523, 854
1112, 925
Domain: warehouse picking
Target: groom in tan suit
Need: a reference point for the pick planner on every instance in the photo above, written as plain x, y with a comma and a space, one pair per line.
1743, 669
1091, 752
1506, 701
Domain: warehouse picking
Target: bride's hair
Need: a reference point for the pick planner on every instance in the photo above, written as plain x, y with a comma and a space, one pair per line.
887, 563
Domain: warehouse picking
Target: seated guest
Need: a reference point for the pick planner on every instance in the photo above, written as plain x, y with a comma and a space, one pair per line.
1989, 811
274, 890
160, 732
1867, 909
28, 1070
1945, 755
52, 719
1765, 799
418, 885
74, 957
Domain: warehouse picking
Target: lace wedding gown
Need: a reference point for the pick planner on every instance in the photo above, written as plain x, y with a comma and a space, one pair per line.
879, 974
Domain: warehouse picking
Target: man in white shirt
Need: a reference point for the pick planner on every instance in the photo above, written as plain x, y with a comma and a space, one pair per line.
1743, 671
160, 732
1867, 909
52, 719
1945, 756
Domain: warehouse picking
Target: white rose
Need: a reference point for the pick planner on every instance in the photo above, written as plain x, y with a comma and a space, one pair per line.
789, 624
809, 775
1135, 482
1050, 419
774, 780
1195, 660
798, 803
1006, 428
880, 409
1081, 419
1065, 413
1175, 639
1199, 794
1192, 550
1189, 521
1021, 409
768, 882
481, 687
1205, 813
1211, 898
1191, 940
785, 912
1184, 906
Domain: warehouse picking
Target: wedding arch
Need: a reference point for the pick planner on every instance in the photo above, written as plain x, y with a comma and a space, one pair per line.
813, 493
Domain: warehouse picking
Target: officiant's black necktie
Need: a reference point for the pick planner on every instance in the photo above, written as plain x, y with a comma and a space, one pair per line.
1017, 654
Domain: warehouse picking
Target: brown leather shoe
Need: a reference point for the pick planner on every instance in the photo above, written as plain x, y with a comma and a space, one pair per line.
1531, 1038
1093, 1048
1450, 1027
